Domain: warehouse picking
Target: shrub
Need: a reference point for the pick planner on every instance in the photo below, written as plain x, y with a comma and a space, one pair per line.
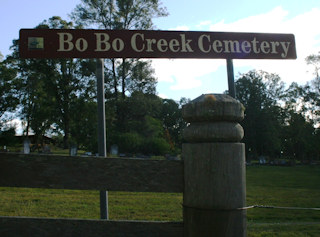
156, 146
129, 142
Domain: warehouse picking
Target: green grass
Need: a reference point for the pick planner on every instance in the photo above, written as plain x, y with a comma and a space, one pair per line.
287, 187
85, 204
283, 186
284, 230
275, 186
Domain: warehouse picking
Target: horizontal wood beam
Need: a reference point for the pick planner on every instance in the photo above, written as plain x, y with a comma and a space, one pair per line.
90, 173
42, 227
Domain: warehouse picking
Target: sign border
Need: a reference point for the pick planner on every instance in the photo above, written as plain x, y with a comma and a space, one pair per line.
156, 44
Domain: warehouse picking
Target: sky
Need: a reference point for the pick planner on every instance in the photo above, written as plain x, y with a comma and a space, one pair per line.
192, 77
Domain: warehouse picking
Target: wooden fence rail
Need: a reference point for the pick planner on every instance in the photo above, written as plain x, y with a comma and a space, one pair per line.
88, 173
41, 227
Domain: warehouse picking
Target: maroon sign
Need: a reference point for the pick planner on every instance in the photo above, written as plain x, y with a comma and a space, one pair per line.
51, 43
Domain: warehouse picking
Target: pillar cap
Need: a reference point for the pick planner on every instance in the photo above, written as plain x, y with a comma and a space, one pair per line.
213, 107
213, 132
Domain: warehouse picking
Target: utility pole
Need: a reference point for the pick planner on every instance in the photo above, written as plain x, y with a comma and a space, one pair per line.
102, 144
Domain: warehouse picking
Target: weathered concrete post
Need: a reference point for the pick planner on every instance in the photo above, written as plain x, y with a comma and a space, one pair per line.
214, 167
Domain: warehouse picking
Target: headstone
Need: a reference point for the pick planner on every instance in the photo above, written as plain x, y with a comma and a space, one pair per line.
26, 146
170, 157
114, 150
262, 160
73, 150
46, 149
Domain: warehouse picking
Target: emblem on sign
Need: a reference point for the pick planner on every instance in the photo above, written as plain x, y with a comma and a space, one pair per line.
35, 43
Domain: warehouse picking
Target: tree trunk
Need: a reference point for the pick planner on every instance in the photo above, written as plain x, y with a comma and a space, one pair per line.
66, 134
115, 82
123, 77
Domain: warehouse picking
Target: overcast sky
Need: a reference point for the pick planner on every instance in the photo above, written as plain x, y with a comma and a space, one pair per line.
188, 77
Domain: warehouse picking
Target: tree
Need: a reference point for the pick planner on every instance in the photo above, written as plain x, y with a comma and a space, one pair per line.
299, 137
83, 127
8, 94
49, 88
316, 148
30, 85
140, 113
7, 137
126, 75
141, 78
173, 122
260, 93
8, 101
118, 14
312, 89
314, 60
69, 80
277, 121
127, 80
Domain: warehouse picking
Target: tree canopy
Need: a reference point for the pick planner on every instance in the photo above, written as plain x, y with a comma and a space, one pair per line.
118, 14
277, 121
58, 96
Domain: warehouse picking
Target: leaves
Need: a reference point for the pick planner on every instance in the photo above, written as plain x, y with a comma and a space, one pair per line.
276, 120
118, 14
8, 94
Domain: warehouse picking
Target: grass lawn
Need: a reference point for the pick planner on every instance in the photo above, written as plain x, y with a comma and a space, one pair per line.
287, 187
266, 185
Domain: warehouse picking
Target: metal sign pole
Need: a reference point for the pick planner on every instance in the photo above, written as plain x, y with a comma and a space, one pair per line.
102, 148
232, 89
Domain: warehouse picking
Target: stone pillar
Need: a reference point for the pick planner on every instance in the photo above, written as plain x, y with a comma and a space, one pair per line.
214, 167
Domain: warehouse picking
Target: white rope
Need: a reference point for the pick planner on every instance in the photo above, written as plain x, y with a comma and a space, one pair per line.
257, 206
289, 208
